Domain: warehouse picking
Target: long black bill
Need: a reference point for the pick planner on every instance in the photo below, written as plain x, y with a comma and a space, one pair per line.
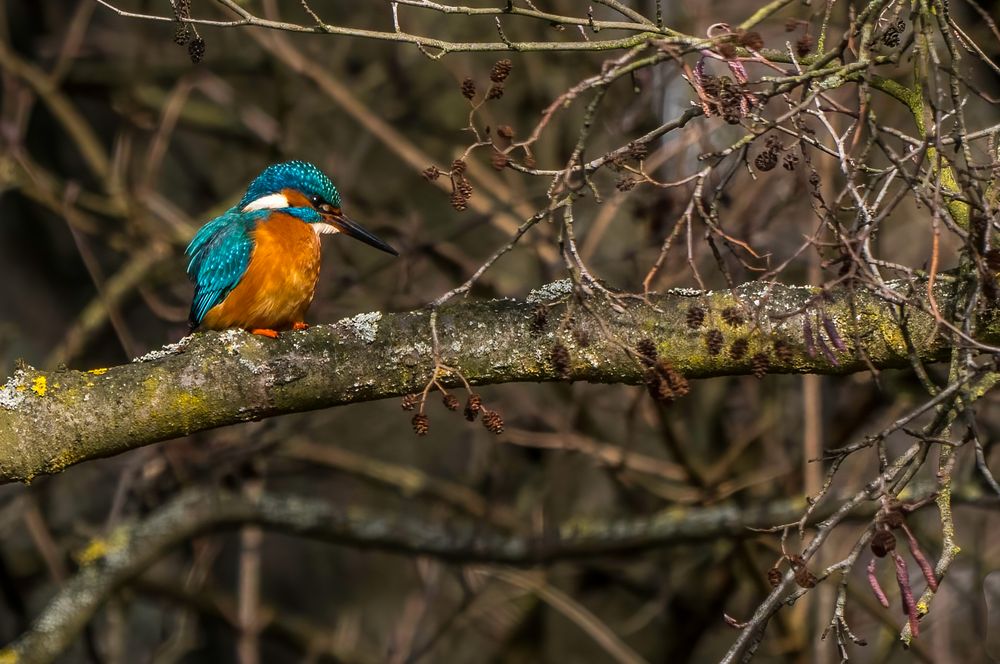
352, 228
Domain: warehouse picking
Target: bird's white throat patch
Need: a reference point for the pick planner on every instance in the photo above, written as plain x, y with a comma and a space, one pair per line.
323, 228
269, 202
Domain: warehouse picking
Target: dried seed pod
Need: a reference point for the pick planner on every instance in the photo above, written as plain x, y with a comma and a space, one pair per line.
766, 160
431, 173
410, 401
760, 364
472, 406
783, 351
804, 578
468, 88
713, 341
505, 131
732, 316
450, 402
499, 160
539, 317
493, 422
458, 167
421, 424
711, 86
883, 542
774, 577
638, 151
790, 161
732, 112
182, 34
739, 348
647, 351
458, 201
495, 91
664, 384
464, 187
678, 384
695, 317
196, 49
626, 184
752, 40
891, 36
559, 357
501, 70
657, 387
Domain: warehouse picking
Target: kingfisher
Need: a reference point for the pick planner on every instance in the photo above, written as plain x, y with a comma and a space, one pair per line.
256, 266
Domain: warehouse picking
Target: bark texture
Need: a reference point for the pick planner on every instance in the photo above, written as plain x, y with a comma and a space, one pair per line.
50, 420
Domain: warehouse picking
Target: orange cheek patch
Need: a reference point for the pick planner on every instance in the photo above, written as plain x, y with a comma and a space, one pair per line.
296, 198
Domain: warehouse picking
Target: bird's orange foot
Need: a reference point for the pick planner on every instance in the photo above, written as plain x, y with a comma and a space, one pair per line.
300, 326
264, 332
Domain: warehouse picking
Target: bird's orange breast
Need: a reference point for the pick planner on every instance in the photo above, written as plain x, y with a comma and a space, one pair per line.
280, 280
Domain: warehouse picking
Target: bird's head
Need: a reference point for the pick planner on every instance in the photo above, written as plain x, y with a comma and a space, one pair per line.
302, 190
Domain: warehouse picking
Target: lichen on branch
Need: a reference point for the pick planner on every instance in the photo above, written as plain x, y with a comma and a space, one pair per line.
50, 420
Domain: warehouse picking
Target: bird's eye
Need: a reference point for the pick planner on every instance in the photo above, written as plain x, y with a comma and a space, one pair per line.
317, 201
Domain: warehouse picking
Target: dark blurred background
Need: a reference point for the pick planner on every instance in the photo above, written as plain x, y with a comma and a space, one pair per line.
115, 148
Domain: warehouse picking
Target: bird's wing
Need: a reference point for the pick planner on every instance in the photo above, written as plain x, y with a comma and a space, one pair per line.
220, 253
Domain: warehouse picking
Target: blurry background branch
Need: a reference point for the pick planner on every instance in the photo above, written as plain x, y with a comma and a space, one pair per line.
110, 562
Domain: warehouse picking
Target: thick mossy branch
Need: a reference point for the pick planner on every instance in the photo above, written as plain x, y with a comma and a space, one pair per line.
50, 420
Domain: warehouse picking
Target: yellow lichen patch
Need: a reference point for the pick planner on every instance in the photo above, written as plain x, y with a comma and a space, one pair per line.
99, 548
63, 460
188, 400
188, 403
8, 656
98, 372
40, 386
891, 334
96, 549
187, 407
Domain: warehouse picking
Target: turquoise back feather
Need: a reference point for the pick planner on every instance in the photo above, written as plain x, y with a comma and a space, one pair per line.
220, 253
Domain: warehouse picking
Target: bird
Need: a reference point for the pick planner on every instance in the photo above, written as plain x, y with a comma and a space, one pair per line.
256, 266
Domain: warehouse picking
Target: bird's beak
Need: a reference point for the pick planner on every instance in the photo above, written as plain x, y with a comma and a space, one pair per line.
349, 227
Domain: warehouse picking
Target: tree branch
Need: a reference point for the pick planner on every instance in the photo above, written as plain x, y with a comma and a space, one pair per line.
110, 563
50, 420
